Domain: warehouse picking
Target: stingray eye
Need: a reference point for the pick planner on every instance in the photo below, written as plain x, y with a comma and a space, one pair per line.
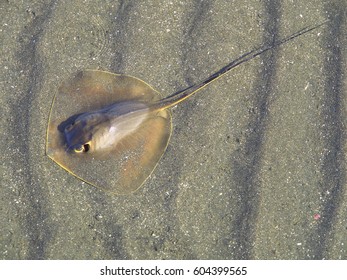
79, 149
82, 148
86, 147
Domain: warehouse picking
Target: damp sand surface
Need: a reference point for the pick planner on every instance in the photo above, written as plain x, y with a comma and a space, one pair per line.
255, 168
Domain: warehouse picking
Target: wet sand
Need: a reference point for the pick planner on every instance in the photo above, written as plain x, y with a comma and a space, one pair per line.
255, 168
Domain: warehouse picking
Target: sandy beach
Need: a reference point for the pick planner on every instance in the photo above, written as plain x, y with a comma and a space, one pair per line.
256, 164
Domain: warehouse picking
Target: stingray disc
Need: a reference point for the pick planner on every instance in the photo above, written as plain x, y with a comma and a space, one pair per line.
125, 166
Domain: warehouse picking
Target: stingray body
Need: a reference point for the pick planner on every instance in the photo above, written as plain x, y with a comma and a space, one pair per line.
110, 130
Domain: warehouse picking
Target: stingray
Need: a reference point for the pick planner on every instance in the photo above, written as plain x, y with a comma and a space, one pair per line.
110, 130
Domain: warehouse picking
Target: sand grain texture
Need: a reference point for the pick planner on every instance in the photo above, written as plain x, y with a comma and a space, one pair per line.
256, 166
